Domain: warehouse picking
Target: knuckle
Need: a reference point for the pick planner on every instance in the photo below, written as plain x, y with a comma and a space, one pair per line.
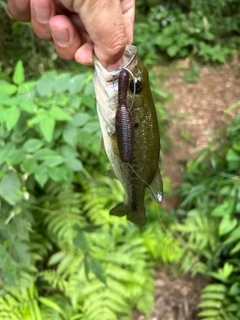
116, 46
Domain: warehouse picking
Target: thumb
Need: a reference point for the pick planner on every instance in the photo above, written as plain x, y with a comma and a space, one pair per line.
105, 26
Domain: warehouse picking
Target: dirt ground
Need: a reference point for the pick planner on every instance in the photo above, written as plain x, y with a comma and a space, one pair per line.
197, 109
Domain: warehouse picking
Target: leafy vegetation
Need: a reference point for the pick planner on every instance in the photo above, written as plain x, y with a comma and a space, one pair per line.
203, 29
210, 233
61, 255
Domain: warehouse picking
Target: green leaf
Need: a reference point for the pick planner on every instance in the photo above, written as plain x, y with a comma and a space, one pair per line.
218, 287
70, 135
172, 50
232, 107
67, 152
47, 125
26, 87
209, 313
92, 127
58, 174
232, 155
18, 76
89, 101
16, 158
32, 145
30, 165
234, 289
12, 115
77, 83
62, 83
80, 242
89, 89
227, 270
7, 151
235, 249
58, 114
28, 106
41, 175
10, 272
56, 258
74, 102
9, 89
86, 266
97, 269
234, 236
210, 304
226, 208
80, 119
226, 225
45, 84
54, 161
44, 154
51, 304
10, 186
2, 113
74, 164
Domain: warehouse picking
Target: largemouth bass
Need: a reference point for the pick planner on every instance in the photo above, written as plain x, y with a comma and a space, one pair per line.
140, 170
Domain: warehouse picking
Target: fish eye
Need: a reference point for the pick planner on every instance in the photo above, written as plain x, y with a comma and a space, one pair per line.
138, 86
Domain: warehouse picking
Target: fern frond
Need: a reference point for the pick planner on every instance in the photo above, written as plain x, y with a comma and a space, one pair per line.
20, 305
214, 297
54, 279
104, 303
100, 196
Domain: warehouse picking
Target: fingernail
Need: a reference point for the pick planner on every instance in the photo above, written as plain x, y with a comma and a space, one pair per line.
43, 13
61, 36
22, 5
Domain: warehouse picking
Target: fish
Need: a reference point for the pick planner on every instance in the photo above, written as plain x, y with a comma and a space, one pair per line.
141, 169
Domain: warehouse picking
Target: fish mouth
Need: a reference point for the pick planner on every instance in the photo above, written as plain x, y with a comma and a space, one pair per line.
129, 56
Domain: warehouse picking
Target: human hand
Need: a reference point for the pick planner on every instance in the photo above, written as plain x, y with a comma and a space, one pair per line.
77, 27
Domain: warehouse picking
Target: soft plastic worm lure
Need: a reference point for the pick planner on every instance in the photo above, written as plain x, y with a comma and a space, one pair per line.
124, 120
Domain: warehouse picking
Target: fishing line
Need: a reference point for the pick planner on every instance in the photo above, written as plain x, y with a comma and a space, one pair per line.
134, 86
114, 73
157, 197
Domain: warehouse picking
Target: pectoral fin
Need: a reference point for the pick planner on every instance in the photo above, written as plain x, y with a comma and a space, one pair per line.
156, 186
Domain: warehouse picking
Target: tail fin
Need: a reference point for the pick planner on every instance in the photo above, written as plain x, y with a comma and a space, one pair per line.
136, 216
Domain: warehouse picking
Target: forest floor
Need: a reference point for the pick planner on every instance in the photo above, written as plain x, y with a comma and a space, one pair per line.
197, 109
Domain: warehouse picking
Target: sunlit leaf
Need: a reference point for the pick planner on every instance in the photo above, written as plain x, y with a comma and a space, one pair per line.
10, 186
47, 125
62, 82
41, 175
12, 115
80, 242
77, 83
45, 84
8, 88
59, 114
32, 145
226, 225
26, 87
28, 106
18, 76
